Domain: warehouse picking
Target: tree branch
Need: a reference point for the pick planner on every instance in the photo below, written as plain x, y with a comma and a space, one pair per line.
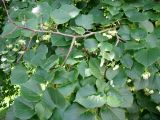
69, 51
25, 50
52, 32
74, 37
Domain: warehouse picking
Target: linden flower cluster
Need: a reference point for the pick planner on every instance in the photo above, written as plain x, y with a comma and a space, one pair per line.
146, 75
36, 10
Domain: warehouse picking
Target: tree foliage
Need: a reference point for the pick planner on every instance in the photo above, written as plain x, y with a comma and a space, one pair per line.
82, 59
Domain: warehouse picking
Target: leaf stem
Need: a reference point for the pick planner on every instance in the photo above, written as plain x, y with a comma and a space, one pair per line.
69, 51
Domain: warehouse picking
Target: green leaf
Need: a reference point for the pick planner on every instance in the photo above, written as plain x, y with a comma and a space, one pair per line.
57, 115
42, 76
133, 45
114, 3
62, 76
45, 11
71, 10
74, 110
98, 16
64, 13
19, 75
38, 57
85, 21
68, 89
94, 66
136, 71
105, 46
122, 98
147, 56
90, 99
113, 100
135, 16
22, 109
112, 114
91, 44
9, 31
88, 80
42, 111
50, 62
56, 97
46, 99
59, 16
124, 32
100, 37
78, 30
138, 34
58, 40
87, 116
31, 90
120, 79
155, 97
152, 41
147, 25
127, 61
82, 66
32, 24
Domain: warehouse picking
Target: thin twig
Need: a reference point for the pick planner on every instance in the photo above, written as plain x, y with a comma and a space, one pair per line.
118, 40
69, 51
26, 49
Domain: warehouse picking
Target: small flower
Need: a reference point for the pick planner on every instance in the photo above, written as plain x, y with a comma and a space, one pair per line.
116, 67
36, 10
112, 32
37, 41
146, 75
158, 108
129, 80
3, 59
151, 91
